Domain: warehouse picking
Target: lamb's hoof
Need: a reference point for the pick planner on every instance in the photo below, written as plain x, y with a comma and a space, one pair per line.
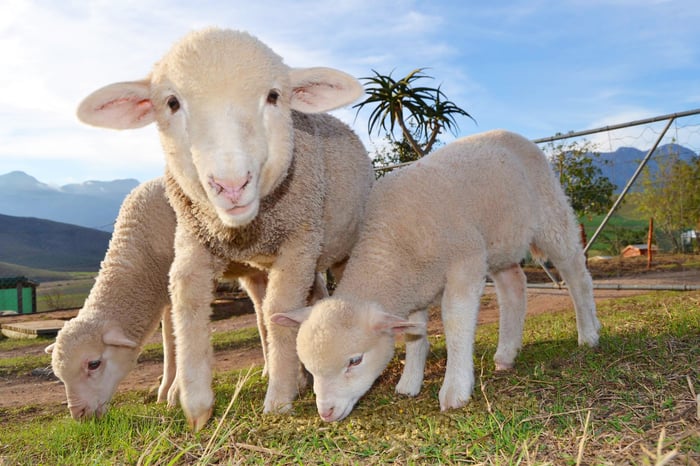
590, 340
173, 396
455, 396
501, 366
280, 407
197, 423
409, 388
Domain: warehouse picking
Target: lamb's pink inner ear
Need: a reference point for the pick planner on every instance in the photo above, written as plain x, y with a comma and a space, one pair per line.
322, 89
119, 106
49, 349
291, 318
387, 323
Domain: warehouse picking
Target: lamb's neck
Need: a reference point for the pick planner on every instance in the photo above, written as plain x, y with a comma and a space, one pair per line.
131, 291
377, 277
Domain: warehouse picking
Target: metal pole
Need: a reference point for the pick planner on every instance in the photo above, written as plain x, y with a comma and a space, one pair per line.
645, 121
627, 187
614, 286
620, 287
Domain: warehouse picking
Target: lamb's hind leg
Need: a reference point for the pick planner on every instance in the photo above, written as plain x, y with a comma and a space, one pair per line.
417, 347
565, 251
510, 287
255, 285
580, 285
460, 307
168, 355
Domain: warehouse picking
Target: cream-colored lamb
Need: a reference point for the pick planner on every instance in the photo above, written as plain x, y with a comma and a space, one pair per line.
98, 348
93, 353
438, 228
255, 176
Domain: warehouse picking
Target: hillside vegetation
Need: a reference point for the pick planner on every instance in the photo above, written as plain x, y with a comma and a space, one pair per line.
44, 244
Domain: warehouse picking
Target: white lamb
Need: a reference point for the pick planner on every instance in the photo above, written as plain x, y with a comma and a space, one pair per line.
440, 226
93, 353
254, 177
97, 349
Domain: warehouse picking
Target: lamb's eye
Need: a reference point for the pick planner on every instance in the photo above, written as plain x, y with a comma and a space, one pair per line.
355, 361
93, 365
173, 104
273, 96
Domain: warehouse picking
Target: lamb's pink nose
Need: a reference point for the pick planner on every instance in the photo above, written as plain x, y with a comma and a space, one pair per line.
326, 414
232, 189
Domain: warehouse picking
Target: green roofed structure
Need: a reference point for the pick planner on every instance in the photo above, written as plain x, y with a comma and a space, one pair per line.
18, 294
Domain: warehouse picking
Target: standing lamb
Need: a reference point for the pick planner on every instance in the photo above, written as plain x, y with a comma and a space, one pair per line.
93, 353
97, 349
254, 177
440, 226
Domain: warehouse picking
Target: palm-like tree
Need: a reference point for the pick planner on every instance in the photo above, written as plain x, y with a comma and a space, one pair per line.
420, 112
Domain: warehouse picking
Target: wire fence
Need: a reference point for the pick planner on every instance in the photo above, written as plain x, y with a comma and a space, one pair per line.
626, 149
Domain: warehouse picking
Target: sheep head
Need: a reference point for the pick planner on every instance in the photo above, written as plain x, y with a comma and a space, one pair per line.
91, 358
345, 346
222, 101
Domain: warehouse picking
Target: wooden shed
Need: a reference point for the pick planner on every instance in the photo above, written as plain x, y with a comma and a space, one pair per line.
636, 250
18, 294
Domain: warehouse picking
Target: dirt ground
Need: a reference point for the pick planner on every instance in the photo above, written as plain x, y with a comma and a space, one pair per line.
39, 389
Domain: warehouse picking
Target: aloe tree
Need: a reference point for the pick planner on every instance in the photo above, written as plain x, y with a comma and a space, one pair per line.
420, 112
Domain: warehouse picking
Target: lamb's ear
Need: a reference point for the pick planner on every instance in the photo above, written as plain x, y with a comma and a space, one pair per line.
387, 323
115, 336
316, 90
291, 318
49, 349
124, 105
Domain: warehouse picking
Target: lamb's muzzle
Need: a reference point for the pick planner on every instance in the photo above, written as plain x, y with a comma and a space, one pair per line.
231, 189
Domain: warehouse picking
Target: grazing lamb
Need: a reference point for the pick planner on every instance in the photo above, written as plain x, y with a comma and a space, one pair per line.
97, 349
440, 226
93, 353
254, 176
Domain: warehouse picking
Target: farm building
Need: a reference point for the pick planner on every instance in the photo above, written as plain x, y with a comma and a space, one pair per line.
18, 294
635, 250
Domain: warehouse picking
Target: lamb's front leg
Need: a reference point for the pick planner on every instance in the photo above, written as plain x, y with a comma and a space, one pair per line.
460, 307
417, 347
290, 281
192, 278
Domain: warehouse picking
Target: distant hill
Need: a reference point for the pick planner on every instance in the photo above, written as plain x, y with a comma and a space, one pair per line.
622, 163
92, 204
38, 275
44, 244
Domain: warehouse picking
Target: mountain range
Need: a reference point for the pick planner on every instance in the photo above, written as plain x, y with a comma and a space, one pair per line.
68, 228
92, 204
620, 165
44, 244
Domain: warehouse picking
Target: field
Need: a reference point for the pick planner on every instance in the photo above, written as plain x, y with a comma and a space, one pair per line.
632, 400
64, 294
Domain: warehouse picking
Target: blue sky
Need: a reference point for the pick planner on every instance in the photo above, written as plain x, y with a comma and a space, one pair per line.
534, 67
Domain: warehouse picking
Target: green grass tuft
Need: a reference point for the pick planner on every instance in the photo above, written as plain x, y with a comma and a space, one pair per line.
629, 401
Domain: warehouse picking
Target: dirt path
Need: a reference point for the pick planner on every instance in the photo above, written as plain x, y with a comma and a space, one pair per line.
17, 391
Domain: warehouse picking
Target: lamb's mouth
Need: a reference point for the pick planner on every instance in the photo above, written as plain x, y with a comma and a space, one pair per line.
239, 209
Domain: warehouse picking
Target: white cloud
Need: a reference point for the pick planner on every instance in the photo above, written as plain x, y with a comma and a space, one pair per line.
530, 66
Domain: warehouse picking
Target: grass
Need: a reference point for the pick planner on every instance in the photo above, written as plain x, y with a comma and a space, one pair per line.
632, 400
65, 294
243, 338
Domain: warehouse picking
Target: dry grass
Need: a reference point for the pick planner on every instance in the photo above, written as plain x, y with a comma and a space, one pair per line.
633, 400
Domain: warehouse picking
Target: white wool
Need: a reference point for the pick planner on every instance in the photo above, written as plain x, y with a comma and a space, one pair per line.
128, 299
256, 176
435, 230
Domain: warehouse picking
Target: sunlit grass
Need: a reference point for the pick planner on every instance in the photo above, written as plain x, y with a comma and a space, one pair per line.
629, 401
